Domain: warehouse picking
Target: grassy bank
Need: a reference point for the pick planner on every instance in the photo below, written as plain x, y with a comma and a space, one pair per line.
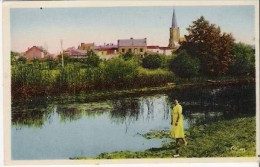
229, 138
31, 81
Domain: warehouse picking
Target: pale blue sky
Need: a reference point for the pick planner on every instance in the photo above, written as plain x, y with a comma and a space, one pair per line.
48, 26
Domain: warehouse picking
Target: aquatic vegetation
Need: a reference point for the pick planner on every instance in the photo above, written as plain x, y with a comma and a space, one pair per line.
228, 138
157, 134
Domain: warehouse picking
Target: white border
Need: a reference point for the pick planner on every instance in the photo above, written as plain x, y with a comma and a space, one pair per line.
67, 4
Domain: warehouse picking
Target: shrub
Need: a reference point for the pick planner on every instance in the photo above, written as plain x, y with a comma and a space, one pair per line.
155, 77
184, 65
119, 72
92, 59
152, 61
244, 60
128, 55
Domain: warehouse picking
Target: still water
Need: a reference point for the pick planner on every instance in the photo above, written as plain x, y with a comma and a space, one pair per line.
47, 129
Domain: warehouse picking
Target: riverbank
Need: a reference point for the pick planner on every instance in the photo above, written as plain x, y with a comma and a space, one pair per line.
97, 95
227, 138
33, 81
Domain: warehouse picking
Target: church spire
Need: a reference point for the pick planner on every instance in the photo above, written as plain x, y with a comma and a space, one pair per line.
174, 21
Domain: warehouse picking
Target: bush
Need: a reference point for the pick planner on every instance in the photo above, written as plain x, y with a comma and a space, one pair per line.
244, 61
184, 65
128, 55
155, 77
118, 72
166, 60
92, 59
152, 61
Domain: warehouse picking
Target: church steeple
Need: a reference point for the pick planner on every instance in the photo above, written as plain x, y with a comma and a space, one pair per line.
174, 33
174, 21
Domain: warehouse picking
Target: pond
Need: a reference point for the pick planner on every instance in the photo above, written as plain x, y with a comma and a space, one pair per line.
48, 129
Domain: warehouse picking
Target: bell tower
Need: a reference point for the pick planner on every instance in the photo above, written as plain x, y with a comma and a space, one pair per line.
174, 33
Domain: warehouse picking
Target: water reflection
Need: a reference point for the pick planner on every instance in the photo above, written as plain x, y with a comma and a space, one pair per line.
204, 104
73, 112
68, 129
200, 105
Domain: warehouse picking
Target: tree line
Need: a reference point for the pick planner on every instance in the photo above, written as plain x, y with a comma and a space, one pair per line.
206, 52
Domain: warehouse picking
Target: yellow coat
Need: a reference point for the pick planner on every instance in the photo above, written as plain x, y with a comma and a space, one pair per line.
177, 131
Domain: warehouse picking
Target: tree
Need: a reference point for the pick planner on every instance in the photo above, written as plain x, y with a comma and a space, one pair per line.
213, 48
152, 61
14, 56
92, 59
22, 59
119, 72
184, 65
244, 60
128, 55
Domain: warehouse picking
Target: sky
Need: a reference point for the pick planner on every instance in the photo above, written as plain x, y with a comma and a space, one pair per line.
48, 26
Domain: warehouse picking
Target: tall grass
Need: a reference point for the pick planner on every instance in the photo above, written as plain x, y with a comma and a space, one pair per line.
38, 78
156, 77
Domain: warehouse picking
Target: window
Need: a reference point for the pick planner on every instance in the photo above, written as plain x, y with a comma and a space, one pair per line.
130, 50
123, 50
141, 49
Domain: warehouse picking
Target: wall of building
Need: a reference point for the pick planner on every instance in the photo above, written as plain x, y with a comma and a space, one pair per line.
86, 46
136, 50
34, 53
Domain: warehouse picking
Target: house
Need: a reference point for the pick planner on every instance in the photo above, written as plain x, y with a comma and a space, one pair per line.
72, 52
136, 46
160, 50
106, 51
36, 52
86, 46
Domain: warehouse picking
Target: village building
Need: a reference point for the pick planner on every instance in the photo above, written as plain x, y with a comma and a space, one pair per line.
136, 46
72, 52
159, 50
36, 52
86, 46
106, 51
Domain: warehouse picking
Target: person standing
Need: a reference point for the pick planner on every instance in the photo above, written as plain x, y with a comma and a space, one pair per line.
177, 130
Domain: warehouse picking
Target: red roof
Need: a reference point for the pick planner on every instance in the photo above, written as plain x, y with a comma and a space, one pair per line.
164, 48
36, 47
153, 47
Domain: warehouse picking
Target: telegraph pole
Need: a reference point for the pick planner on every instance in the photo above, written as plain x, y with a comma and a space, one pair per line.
62, 61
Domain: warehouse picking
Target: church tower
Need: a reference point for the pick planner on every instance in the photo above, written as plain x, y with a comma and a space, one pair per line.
174, 33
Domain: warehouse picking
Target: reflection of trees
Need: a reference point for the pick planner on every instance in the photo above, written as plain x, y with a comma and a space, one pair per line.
35, 113
128, 110
31, 113
228, 101
123, 109
69, 113
72, 112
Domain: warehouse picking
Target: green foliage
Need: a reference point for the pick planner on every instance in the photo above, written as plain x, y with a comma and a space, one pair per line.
92, 59
244, 61
22, 60
152, 61
119, 72
69, 75
206, 42
166, 61
157, 134
14, 57
128, 55
155, 77
184, 65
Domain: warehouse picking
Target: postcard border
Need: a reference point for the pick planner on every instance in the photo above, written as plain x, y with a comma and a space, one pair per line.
62, 4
